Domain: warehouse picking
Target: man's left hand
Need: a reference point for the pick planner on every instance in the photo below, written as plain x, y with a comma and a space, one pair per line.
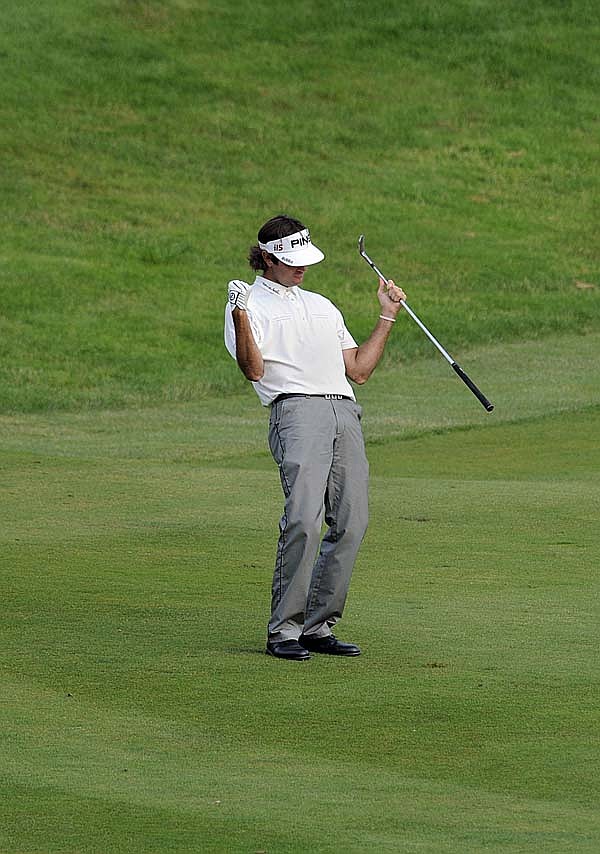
238, 294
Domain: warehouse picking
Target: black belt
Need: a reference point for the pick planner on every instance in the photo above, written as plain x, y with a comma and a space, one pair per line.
326, 396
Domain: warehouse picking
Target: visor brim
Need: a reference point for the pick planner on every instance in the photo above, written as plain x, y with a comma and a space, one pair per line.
301, 257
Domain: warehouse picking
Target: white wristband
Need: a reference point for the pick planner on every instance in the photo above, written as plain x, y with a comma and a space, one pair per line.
383, 317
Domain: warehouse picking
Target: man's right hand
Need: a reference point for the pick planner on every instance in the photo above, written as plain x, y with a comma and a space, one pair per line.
238, 294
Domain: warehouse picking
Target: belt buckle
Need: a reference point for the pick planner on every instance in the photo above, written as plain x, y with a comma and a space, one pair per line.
334, 397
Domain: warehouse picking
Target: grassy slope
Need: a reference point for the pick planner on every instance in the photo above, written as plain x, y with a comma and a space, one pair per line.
144, 142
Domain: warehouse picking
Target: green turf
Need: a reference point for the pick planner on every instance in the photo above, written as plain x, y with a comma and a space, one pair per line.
145, 141
140, 713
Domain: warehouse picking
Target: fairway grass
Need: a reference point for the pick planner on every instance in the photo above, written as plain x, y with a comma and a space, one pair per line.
139, 712
525, 380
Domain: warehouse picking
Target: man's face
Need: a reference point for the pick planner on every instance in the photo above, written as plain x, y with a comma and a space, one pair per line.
286, 275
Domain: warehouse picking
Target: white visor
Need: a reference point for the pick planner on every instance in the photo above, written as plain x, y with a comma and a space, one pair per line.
296, 250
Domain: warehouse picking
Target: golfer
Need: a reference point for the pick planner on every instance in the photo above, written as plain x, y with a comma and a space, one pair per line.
293, 345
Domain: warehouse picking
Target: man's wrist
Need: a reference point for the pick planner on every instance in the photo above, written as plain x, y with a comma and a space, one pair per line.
386, 317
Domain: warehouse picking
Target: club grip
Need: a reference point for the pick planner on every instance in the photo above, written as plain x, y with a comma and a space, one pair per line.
469, 382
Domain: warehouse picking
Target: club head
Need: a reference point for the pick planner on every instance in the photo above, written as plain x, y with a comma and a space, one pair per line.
361, 249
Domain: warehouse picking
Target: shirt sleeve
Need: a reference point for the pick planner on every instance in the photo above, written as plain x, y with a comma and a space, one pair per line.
346, 340
229, 331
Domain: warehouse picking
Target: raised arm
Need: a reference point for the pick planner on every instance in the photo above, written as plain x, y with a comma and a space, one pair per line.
361, 361
247, 354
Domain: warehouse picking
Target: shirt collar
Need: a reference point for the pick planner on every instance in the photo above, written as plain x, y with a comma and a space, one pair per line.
276, 288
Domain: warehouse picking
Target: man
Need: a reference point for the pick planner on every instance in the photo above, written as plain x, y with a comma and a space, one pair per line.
293, 345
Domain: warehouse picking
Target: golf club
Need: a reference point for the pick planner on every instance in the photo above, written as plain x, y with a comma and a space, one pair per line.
467, 380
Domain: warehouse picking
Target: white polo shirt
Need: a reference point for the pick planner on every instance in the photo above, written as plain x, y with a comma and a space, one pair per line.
301, 336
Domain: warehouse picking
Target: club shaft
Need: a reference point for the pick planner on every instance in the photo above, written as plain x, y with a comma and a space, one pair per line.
409, 310
457, 369
433, 340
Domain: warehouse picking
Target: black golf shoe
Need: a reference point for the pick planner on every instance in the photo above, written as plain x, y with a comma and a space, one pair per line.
289, 649
329, 645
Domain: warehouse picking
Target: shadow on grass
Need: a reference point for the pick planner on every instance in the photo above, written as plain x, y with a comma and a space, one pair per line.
244, 650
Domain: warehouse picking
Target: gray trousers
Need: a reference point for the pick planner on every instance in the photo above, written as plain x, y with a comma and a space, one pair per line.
319, 448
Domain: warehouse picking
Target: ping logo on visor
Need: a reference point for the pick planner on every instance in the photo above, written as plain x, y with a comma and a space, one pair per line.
296, 250
300, 241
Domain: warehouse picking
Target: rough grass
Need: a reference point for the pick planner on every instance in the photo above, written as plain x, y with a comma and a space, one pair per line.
145, 142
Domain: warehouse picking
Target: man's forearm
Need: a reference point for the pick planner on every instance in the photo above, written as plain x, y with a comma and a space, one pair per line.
367, 356
247, 354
